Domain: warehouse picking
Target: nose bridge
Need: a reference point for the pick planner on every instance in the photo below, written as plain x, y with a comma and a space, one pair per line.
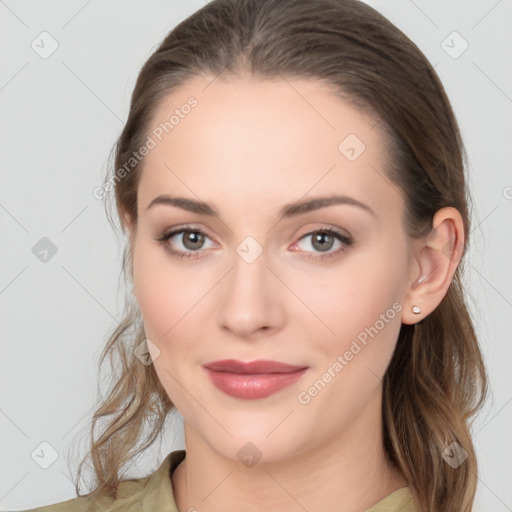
250, 298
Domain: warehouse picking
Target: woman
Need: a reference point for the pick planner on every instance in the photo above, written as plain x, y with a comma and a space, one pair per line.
291, 180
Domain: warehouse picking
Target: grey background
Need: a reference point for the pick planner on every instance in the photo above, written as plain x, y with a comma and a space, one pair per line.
59, 118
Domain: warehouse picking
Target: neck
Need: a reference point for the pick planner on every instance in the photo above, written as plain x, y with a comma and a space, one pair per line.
350, 472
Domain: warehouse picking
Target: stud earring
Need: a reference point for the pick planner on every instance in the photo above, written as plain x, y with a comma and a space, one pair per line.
416, 310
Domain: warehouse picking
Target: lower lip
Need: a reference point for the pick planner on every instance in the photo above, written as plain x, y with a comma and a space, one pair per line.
250, 387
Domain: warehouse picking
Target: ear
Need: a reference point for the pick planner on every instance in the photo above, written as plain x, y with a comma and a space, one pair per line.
129, 225
130, 228
436, 257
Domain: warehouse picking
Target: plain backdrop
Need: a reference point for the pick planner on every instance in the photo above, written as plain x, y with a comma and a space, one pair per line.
59, 117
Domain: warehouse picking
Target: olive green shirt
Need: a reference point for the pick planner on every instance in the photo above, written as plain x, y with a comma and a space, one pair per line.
154, 493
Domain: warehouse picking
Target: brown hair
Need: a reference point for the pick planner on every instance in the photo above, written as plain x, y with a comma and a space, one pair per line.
436, 380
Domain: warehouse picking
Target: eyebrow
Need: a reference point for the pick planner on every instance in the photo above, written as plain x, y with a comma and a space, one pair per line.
288, 210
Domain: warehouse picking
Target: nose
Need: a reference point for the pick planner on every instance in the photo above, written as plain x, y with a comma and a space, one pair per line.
250, 299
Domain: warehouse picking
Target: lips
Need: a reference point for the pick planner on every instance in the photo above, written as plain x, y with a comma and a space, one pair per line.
258, 367
253, 380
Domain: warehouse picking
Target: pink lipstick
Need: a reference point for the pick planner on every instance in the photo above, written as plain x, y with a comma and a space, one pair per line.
252, 380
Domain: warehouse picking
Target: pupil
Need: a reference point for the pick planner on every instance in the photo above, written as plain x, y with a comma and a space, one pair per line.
319, 237
196, 242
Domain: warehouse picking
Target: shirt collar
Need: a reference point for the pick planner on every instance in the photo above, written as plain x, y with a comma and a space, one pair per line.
158, 493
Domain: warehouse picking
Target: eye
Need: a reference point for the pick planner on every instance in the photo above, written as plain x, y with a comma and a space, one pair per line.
324, 239
193, 241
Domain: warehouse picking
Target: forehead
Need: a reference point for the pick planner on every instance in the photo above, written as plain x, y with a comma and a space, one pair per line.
248, 140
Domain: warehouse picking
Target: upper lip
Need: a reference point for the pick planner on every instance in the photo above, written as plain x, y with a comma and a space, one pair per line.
252, 367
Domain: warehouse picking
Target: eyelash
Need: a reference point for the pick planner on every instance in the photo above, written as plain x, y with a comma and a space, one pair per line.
164, 237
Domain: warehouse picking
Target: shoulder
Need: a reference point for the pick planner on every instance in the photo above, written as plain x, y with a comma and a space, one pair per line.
133, 495
128, 491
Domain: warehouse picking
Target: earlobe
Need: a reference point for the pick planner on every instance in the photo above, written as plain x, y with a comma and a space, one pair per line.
416, 310
437, 257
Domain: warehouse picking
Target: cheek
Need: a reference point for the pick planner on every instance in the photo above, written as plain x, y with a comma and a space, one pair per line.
170, 295
356, 295
165, 294
156, 288
152, 291
359, 308
363, 314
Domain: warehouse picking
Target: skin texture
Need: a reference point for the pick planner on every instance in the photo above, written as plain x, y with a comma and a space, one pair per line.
248, 148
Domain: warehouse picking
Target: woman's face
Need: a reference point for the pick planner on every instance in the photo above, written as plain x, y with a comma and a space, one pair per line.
253, 284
